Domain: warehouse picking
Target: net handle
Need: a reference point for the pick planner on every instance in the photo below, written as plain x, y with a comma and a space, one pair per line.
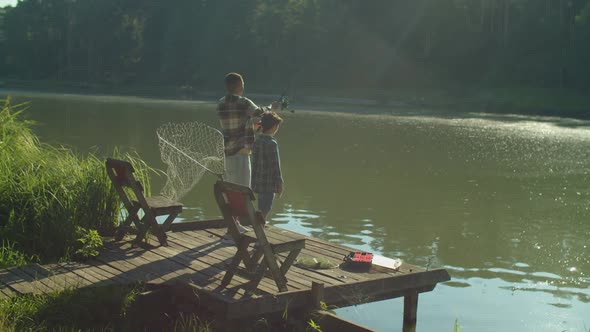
186, 155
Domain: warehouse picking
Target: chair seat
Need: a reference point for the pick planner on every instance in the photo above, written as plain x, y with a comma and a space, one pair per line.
278, 245
161, 205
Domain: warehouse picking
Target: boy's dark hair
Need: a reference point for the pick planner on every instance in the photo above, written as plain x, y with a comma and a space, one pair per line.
269, 120
232, 81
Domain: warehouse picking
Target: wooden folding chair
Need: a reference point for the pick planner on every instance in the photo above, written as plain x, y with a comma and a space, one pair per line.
121, 174
235, 202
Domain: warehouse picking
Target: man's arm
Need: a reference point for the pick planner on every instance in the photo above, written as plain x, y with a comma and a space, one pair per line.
255, 111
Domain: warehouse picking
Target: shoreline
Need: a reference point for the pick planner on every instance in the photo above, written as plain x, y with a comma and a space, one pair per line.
520, 102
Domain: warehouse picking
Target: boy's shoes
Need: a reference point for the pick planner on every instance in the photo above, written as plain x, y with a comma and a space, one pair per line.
243, 229
227, 238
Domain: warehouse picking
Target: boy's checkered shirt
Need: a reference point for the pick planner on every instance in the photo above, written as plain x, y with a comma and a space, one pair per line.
266, 165
235, 116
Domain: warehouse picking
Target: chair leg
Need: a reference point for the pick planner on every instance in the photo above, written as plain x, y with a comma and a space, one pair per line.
279, 279
162, 238
142, 230
244, 254
147, 223
135, 218
166, 225
255, 258
281, 282
289, 261
258, 276
233, 266
156, 229
131, 217
121, 231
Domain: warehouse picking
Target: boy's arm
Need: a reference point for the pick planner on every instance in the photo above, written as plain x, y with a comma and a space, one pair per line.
276, 168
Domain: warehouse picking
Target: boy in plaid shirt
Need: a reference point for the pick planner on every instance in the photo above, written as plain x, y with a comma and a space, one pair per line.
266, 164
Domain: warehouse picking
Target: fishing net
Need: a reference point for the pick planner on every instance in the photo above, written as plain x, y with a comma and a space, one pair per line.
317, 263
189, 150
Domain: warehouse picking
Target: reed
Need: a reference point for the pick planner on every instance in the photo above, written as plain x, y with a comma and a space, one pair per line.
47, 192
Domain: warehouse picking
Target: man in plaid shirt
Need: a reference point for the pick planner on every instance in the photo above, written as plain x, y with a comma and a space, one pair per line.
235, 114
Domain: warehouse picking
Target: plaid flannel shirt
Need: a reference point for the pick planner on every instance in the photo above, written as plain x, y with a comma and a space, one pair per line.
235, 115
266, 165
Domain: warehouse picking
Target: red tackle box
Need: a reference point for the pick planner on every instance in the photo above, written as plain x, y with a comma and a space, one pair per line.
359, 259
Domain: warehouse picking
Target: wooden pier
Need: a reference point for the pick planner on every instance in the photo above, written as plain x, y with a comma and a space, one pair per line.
195, 257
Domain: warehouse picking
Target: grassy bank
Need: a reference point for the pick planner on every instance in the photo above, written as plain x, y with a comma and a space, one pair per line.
133, 308
49, 196
109, 308
53, 204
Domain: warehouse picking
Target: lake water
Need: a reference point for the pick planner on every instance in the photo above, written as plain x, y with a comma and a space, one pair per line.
501, 202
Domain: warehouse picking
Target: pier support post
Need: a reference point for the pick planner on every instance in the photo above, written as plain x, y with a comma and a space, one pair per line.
317, 295
410, 310
298, 317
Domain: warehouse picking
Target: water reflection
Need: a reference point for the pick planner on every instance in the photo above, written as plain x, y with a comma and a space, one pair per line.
313, 224
500, 201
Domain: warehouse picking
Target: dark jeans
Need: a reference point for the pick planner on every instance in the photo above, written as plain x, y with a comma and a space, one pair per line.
265, 202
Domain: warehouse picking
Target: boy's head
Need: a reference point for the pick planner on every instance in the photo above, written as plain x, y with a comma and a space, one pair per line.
234, 83
269, 123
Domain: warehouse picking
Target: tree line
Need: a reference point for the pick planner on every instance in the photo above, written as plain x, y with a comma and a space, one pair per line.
291, 44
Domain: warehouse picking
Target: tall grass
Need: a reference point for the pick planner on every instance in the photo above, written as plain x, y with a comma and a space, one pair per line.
46, 192
9, 256
89, 309
70, 309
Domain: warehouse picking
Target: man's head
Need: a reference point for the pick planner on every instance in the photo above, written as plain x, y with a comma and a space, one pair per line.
234, 84
270, 122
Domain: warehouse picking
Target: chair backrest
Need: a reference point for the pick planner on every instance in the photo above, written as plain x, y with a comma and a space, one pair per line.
121, 174
235, 201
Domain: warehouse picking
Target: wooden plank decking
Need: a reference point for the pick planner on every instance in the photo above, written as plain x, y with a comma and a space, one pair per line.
197, 257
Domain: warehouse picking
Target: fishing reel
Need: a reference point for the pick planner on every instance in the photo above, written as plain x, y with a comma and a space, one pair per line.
284, 102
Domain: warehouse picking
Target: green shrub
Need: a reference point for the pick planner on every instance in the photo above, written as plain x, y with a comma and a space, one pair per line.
47, 192
89, 242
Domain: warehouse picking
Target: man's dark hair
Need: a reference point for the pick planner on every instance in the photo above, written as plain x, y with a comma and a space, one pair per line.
233, 80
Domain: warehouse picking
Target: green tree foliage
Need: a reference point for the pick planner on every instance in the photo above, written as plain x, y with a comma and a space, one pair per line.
300, 43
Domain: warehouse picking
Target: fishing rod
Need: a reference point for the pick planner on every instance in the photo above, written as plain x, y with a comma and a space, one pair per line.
283, 101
